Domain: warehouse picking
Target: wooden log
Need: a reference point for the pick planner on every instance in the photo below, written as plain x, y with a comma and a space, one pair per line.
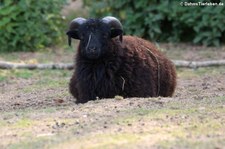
10, 65
197, 64
178, 63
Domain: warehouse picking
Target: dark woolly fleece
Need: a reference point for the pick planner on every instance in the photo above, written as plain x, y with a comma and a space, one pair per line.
129, 69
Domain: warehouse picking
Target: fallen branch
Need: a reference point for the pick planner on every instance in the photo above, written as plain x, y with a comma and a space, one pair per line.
196, 64
10, 65
178, 63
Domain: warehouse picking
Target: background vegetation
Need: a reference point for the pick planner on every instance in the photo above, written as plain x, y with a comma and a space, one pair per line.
166, 20
28, 25
38, 112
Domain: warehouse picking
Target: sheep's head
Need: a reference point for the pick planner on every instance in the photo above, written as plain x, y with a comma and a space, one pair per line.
94, 34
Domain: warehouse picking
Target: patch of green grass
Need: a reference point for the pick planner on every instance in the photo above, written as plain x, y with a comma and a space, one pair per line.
203, 143
151, 114
47, 83
9, 56
15, 73
198, 119
2, 78
3, 123
99, 141
220, 98
31, 140
4, 74
171, 126
190, 73
46, 55
42, 79
25, 74
23, 123
37, 143
51, 83
28, 124
28, 112
209, 70
113, 140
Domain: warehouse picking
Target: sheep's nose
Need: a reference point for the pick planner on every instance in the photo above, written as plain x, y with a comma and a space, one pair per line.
92, 49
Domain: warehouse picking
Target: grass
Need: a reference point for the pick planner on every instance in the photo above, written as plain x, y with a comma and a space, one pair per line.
45, 78
29, 123
160, 129
193, 73
32, 144
209, 143
47, 55
101, 141
179, 123
167, 127
48, 74
14, 73
200, 120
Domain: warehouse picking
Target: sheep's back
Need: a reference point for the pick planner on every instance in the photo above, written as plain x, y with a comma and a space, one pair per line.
147, 59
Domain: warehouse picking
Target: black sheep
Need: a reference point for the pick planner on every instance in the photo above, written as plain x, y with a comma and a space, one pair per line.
106, 66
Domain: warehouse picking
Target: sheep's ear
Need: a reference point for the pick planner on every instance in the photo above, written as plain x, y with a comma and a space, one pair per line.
73, 34
116, 32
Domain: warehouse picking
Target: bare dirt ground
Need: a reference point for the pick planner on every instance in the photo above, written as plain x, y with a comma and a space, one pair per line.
38, 112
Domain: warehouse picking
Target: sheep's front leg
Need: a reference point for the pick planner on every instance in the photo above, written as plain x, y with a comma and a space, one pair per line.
81, 93
83, 89
83, 98
73, 86
86, 93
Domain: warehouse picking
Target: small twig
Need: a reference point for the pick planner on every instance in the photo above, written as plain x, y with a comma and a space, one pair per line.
123, 83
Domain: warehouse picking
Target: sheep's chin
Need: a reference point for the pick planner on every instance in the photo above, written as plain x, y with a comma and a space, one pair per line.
93, 56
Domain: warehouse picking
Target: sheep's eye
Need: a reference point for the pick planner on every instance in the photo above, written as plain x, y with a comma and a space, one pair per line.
81, 36
105, 36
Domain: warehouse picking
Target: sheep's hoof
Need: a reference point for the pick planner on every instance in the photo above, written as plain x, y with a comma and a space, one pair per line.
118, 97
